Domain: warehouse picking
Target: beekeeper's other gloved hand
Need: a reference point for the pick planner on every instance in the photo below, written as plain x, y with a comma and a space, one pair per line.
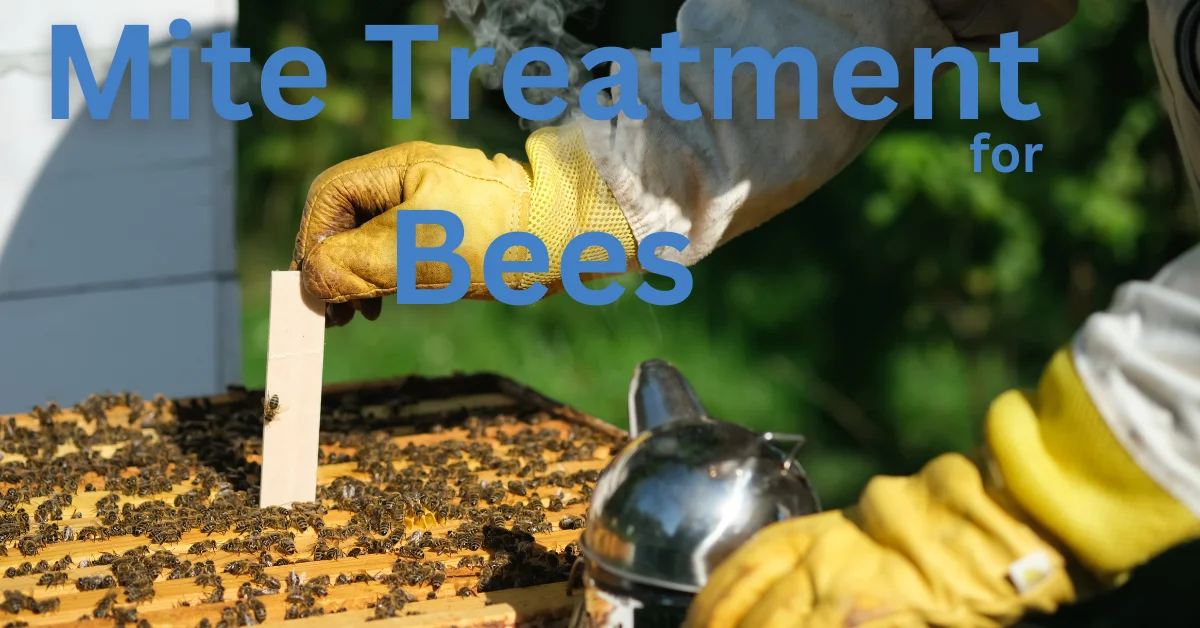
346, 248
949, 546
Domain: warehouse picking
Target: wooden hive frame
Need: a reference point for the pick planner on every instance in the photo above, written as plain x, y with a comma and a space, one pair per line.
413, 414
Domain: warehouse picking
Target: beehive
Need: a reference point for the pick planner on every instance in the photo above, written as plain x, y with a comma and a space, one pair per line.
454, 501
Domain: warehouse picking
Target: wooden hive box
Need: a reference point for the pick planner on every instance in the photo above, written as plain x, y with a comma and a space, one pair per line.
442, 502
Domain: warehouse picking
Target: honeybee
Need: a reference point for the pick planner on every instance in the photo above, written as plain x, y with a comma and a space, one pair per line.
270, 408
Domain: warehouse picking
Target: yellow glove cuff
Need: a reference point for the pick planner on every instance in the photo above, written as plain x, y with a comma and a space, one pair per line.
568, 197
1058, 460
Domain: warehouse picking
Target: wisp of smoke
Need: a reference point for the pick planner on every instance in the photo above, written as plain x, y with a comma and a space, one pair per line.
511, 25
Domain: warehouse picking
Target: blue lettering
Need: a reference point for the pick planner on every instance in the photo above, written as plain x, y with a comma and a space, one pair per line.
672, 270
572, 267
133, 51
968, 81
766, 70
670, 56
625, 78
273, 81
979, 146
402, 38
1010, 55
220, 55
407, 257
180, 72
1013, 159
494, 263
515, 80
845, 82
462, 63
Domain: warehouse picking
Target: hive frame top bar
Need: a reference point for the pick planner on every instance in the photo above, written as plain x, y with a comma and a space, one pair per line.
432, 396
292, 408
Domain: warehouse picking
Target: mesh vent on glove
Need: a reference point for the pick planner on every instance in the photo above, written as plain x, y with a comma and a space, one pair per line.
568, 197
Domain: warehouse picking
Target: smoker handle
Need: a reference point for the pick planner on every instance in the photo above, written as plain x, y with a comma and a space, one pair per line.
660, 394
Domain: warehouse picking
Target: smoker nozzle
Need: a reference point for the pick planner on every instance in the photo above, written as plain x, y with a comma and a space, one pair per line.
659, 394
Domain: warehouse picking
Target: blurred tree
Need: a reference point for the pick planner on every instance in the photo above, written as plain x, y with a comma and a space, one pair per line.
911, 290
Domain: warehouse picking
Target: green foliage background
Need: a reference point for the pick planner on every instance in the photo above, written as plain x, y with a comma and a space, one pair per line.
879, 317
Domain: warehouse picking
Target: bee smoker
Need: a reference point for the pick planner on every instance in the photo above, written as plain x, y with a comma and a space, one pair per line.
685, 492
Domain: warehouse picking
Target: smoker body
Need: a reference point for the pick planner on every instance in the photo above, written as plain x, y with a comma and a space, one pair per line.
686, 492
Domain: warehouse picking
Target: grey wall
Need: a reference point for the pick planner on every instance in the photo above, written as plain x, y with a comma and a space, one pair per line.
117, 256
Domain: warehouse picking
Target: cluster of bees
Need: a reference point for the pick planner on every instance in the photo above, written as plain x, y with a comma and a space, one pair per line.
249, 610
15, 602
107, 609
391, 507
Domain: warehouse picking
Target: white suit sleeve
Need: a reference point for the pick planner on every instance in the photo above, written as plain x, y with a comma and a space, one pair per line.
712, 180
1140, 362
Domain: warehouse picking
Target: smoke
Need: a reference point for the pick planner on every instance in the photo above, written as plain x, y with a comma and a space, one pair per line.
511, 25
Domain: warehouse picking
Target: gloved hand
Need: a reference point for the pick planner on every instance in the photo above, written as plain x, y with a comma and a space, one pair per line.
960, 544
346, 247
931, 549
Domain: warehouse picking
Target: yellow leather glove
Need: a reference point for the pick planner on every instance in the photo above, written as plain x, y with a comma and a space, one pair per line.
346, 247
958, 546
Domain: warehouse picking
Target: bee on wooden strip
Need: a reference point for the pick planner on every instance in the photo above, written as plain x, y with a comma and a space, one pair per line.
270, 408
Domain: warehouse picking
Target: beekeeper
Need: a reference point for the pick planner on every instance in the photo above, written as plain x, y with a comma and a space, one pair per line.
1099, 468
